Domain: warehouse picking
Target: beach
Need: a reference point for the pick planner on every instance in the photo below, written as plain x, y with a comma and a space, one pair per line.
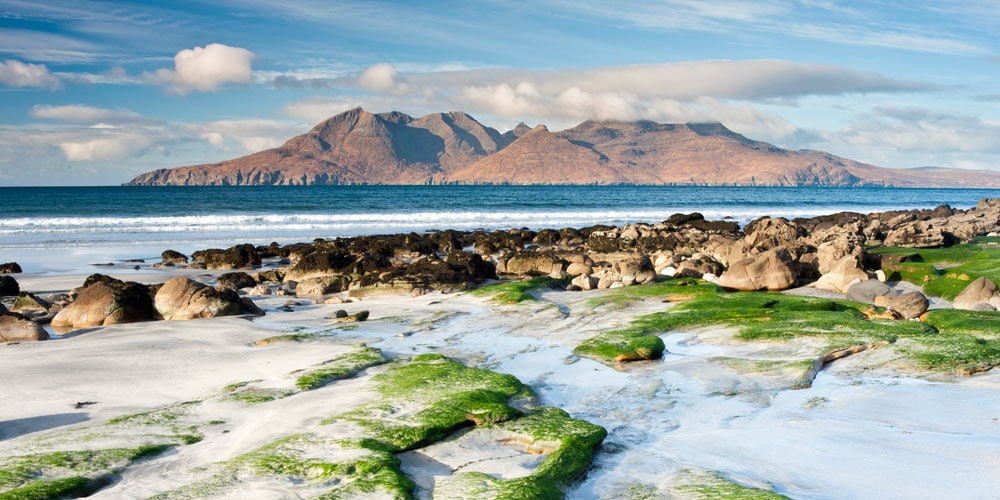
210, 407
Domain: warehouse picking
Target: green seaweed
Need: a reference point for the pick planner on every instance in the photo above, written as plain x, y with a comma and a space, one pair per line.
670, 290
514, 292
342, 367
944, 272
65, 472
713, 487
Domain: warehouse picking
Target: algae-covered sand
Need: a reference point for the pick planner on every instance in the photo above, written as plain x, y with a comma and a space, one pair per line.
461, 395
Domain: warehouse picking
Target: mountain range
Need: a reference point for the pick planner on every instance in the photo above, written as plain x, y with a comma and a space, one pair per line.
359, 147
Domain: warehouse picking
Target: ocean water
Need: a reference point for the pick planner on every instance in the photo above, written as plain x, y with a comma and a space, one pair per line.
41, 225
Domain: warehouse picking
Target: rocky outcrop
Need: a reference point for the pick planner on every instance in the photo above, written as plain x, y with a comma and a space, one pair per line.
235, 281
9, 286
10, 268
236, 257
173, 258
106, 301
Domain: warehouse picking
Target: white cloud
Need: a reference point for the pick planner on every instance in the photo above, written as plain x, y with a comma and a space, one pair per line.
79, 113
205, 69
26, 75
246, 136
380, 77
113, 146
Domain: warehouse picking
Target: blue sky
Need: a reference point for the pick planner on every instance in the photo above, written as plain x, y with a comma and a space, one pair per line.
96, 92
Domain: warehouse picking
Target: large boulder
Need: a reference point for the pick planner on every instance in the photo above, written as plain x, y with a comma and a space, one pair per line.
867, 291
182, 298
909, 305
9, 286
236, 257
845, 273
919, 234
766, 233
635, 270
106, 301
981, 291
17, 328
10, 268
771, 270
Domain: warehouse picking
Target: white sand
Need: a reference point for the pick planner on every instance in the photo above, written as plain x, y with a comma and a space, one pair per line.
856, 433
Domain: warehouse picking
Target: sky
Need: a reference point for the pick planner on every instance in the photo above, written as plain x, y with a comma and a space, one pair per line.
97, 92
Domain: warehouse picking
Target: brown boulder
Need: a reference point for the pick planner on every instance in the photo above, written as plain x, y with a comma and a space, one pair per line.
182, 298
235, 281
17, 328
846, 272
530, 263
635, 270
173, 258
235, 257
771, 270
909, 305
981, 291
322, 285
766, 233
106, 301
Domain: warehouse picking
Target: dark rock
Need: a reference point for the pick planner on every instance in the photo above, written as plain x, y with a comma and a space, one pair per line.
235, 257
173, 257
479, 269
340, 313
271, 276
10, 268
320, 264
235, 281
9, 286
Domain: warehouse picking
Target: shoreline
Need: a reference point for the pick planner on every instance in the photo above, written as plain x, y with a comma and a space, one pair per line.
714, 412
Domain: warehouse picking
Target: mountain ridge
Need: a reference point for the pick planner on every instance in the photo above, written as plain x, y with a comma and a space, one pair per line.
360, 147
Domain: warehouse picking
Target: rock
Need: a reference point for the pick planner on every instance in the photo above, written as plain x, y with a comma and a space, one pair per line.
578, 269
696, 267
479, 269
635, 270
919, 234
319, 264
173, 258
766, 233
846, 272
883, 300
235, 281
106, 301
771, 270
981, 291
529, 263
17, 328
10, 268
9, 286
182, 298
324, 285
831, 252
585, 282
270, 276
909, 305
30, 305
235, 257
866, 291
984, 307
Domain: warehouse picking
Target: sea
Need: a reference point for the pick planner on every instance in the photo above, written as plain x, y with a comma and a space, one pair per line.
59, 229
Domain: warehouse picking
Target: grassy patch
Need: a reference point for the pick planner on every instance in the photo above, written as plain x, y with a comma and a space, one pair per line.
673, 290
514, 292
944, 272
292, 337
345, 366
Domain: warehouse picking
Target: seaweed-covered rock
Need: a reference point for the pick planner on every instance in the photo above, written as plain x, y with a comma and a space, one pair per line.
9, 286
319, 264
32, 306
173, 258
106, 301
182, 298
17, 328
10, 268
270, 276
980, 291
235, 281
909, 305
491, 243
771, 270
236, 257
479, 268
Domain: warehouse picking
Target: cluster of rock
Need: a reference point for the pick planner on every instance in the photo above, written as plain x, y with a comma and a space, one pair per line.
828, 252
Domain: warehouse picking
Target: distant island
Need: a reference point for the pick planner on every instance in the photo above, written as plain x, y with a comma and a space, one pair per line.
359, 147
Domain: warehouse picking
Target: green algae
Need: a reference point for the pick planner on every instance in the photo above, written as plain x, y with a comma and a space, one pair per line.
342, 367
670, 290
64, 473
515, 292
943, 272
715, 487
